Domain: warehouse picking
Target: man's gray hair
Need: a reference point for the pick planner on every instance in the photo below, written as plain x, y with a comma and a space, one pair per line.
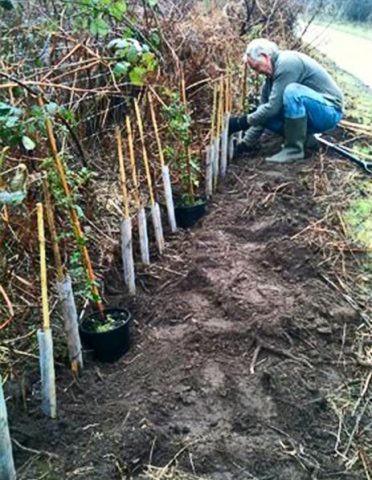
258, 47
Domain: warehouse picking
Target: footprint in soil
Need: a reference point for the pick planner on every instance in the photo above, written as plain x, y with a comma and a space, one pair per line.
261, 231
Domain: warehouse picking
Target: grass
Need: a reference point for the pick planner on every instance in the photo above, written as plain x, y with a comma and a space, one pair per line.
353, 274
359, 217
357, 29
358, 106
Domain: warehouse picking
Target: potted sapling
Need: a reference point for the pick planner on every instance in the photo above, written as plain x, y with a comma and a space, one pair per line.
189, 205
109, 336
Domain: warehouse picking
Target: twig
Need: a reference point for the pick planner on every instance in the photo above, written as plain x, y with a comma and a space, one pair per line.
32, 450
356, 426
10, 308
254, 359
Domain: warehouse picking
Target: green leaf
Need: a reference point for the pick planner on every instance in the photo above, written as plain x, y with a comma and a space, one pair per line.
99, 27
52, 108
79, 211
119, 43
5, 108
7, 4
121, 69
137, 76
132, 54
11, 121
28, 143
118, 9
152, 3
155, 39
150, 61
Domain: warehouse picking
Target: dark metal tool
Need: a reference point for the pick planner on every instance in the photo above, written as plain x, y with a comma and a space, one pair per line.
366, 166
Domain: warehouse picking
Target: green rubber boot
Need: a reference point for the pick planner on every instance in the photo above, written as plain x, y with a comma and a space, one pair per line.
295, 130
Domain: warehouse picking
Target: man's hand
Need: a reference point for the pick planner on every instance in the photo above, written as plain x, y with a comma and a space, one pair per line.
236, 124
241, 147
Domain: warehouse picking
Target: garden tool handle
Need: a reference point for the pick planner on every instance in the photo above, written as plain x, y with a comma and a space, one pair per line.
367, 166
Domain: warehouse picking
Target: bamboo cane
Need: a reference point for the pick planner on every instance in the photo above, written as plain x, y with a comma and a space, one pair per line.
229, 102
214, 110
227, 94
217, 139
221, 109
73, 215
183, 89
52, 230
211, 153
141, 216
244, 85
356, 125
225, 115
123, 180
156, 130
144, 152
43, 274
132, 160
165, 171
126, 226
45, 335
155, 210
188, 152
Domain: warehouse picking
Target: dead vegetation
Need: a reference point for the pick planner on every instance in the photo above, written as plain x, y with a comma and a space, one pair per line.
197, 42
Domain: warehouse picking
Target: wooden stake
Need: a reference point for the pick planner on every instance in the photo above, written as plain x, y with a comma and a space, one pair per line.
73, 215
43, 274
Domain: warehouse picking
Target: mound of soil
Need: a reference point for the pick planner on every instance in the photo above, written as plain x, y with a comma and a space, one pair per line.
237, 342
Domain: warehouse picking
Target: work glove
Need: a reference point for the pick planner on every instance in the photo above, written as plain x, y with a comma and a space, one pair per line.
236, 124
241, 147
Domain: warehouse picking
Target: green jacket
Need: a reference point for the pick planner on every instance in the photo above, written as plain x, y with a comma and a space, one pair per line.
290, 67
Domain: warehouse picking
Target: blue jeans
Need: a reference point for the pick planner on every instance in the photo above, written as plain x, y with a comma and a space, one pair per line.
300, 101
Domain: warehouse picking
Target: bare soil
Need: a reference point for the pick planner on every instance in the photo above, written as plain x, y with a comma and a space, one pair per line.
237, 341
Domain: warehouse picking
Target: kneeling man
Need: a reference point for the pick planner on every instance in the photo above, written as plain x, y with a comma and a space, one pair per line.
298, 98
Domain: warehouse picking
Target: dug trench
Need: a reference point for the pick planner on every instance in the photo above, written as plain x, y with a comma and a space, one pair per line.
237, 343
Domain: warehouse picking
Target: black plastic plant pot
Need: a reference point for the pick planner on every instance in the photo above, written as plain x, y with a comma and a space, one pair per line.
110, 339
187, 216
